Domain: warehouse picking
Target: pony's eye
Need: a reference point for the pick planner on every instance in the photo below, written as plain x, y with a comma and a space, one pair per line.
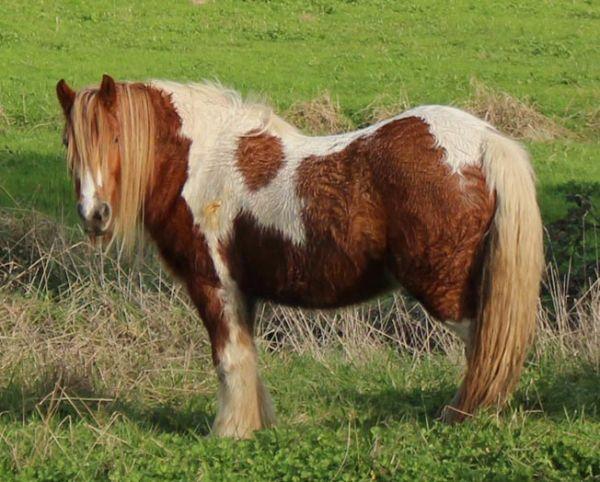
65, 141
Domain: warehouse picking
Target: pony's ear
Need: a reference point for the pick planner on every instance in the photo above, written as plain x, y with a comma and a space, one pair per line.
108, 91
66, 96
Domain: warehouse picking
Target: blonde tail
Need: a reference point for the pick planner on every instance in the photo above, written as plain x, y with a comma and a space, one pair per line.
509, 285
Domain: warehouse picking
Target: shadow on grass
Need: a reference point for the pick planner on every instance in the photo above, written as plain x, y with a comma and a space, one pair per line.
42, 402
555, 396
39, 181
556, 199
564, 394
195, 416
394, 405
551, 395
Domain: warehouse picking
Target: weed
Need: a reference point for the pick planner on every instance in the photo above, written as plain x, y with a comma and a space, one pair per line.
321, 115
512, 116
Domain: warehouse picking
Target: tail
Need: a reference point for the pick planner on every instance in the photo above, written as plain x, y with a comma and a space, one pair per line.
510, 282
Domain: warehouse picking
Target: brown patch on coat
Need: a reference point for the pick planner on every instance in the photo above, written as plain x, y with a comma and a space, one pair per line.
438, 220
342, 259
319, 274
340, 202
259, 158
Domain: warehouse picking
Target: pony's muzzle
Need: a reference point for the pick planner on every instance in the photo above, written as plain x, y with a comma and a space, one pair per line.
95, 222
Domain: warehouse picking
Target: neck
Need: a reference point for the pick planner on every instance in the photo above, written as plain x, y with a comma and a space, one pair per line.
171, 161
167, 217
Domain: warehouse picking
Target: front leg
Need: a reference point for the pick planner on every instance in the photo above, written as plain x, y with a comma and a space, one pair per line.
244, 403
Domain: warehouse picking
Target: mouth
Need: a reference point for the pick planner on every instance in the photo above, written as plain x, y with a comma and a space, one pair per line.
98, 236
96, 221
95, 232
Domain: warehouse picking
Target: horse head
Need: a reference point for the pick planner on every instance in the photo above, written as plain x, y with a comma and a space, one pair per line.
109, 136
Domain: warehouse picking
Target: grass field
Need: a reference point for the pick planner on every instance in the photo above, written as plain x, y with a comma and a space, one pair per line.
106, 376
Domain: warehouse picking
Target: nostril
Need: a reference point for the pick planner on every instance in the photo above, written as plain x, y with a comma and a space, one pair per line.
105, 212
80, 211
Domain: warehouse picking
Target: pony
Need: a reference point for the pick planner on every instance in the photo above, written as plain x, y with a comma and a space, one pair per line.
244, 207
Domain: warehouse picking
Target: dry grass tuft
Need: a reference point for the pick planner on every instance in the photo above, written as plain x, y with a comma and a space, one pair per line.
4, 120
307, 17
321, 115
75, 319
384, 107
571, 328
512, 116
519, 119
592, 122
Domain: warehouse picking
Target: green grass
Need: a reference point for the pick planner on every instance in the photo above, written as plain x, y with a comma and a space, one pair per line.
337, 421
291, 51
368, 419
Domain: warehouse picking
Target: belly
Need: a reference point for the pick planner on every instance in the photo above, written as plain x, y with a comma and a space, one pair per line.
319, 274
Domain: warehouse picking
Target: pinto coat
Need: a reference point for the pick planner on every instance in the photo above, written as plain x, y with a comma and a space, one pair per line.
242, 206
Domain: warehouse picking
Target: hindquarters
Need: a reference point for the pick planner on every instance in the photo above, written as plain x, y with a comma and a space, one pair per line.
465, 238
437, 219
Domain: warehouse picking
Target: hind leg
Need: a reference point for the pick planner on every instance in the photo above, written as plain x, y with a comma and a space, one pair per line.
438, 223
445, 280
461, 328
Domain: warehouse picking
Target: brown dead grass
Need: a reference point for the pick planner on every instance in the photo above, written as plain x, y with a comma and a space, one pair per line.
307, 17
321, 115
592, 122
384, 107
517, 118
4, 121
77, 317
78, 330
74, 318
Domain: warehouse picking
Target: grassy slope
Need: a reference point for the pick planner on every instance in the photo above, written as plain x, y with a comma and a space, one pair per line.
331, 429
291, 51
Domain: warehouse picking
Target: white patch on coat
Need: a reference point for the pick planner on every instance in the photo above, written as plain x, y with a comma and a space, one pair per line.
88, 186
459, 133
277, 205
214, 119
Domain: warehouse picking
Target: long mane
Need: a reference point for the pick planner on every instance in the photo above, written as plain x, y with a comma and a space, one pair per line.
93, 136
237, 112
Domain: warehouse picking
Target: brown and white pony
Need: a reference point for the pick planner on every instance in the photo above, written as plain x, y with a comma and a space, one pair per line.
242, 207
